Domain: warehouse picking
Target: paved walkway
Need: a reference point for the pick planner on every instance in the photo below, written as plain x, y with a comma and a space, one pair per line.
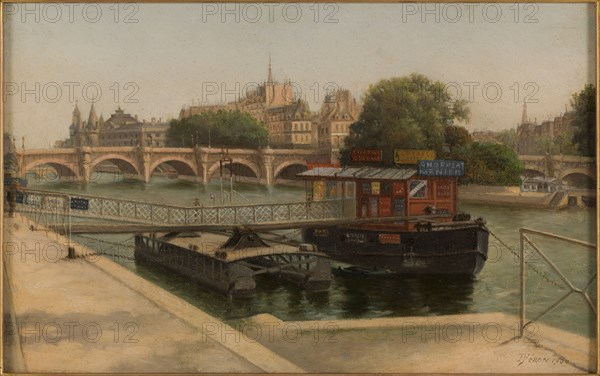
468, 343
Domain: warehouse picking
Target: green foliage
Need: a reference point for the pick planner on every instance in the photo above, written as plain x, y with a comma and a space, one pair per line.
489, 164
561, 144
404, 112
584, 135
509, 138
225, 129
456, 135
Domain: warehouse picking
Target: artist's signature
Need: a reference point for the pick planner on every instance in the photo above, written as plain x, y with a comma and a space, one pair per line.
533, 359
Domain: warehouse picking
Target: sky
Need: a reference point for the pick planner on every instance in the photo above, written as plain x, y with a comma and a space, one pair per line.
152, 59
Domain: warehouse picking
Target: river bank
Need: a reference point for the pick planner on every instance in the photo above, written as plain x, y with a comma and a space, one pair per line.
512, 196
90, 314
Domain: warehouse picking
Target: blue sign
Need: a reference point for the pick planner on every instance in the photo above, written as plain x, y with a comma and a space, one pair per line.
439, 167
79, 203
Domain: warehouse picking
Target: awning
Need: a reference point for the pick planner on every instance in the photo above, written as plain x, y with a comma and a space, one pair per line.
351, 173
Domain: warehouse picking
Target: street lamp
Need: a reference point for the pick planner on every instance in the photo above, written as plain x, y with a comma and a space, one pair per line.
226, 158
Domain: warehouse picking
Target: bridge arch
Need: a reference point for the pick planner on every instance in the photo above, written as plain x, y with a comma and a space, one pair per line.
254, 168
578, 178
181, 165
583, 171
64, 170
281, 168
124, 164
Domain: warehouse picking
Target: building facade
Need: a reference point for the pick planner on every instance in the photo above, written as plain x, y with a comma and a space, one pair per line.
529, 133
288, 119
121, 129
338, 112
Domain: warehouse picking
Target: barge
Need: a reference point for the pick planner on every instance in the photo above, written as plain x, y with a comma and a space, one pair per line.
416, 229
228, 264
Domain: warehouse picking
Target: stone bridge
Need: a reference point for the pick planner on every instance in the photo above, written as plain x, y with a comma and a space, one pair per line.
562, 167
197, 164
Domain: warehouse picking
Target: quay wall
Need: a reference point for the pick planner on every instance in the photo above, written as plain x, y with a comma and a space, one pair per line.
499, 195
512, 196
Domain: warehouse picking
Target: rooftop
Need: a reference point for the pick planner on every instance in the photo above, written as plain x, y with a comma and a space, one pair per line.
352, 172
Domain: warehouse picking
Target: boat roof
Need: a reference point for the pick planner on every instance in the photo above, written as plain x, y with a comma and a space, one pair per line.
362, 172
538, 179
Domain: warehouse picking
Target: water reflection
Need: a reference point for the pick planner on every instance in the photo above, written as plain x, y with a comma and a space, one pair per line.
398, 295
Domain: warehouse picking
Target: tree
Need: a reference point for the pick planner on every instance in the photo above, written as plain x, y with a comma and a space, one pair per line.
456, 135
561, 144
221, 128
584, 122
489, 164
509, 138
404, 112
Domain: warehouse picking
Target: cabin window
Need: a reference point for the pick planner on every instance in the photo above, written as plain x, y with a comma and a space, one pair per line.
443, 189
350, 189
366, 188
318, 190
398, 206
373, 206
332, 189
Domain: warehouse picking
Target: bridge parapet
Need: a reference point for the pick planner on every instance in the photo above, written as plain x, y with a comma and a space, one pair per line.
560, 166
197, 164
86, 206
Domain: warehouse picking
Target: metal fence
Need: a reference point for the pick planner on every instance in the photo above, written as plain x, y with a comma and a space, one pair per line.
40, 202
524, 239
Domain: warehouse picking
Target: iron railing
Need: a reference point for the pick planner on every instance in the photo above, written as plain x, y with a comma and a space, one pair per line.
523, 238
42, 202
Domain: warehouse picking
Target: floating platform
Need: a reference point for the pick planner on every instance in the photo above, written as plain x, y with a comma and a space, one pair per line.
228, 264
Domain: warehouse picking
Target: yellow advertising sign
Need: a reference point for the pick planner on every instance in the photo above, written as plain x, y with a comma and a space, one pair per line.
413, 156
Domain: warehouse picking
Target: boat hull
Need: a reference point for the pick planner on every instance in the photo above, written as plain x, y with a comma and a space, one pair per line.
439, 251
226, 278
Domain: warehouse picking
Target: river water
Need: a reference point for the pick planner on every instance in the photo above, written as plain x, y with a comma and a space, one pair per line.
495, 289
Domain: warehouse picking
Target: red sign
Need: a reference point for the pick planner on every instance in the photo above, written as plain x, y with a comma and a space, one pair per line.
389, 238
366, 155
398, 188
385, 206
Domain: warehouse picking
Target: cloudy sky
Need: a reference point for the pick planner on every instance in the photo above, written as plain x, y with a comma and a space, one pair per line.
151, 59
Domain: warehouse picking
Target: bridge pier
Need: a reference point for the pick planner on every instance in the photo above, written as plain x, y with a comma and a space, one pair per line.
267, 160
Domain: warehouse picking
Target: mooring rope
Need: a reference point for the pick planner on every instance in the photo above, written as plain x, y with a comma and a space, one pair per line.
541, 273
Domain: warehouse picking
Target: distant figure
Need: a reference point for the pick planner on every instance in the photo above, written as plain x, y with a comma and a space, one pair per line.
11, 198
196, 202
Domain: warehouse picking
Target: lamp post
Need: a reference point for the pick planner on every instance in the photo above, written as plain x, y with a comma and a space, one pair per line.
226, 158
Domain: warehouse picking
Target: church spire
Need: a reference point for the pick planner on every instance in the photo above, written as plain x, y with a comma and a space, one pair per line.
524, 118
76, 119
92, 119
270, 78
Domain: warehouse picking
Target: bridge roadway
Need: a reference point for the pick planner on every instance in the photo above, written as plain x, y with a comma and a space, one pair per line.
559, 166
136, 162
